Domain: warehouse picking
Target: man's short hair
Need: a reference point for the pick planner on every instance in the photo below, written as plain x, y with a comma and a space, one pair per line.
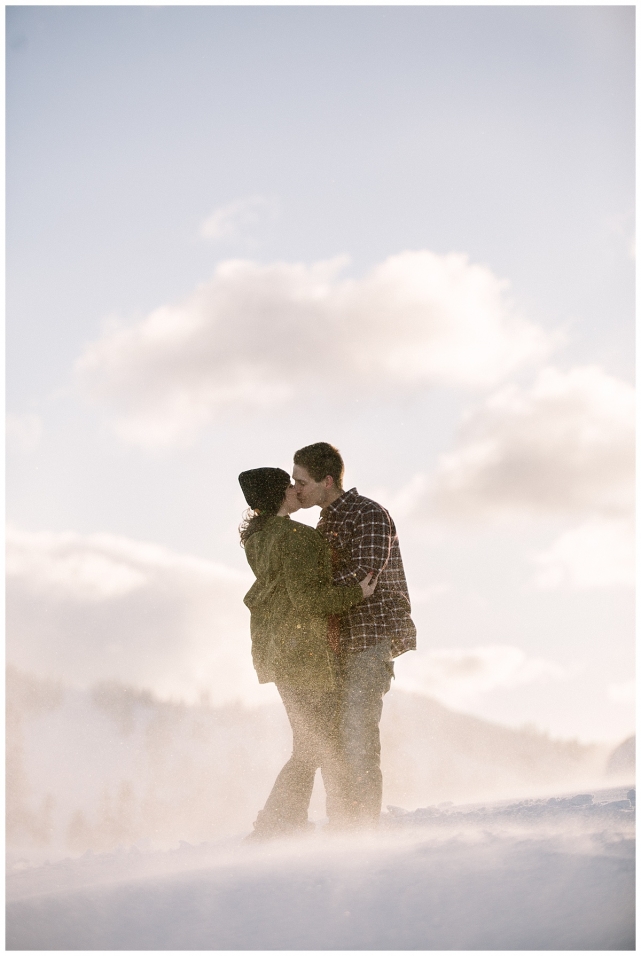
321, 460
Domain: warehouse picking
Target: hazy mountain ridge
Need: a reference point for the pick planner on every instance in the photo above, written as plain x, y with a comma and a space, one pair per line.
115, 766
464, 758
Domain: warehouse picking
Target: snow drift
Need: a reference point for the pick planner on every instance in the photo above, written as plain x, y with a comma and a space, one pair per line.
126, 816
537, 874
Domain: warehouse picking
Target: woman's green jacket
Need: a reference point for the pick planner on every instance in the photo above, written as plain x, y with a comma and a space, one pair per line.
290, 602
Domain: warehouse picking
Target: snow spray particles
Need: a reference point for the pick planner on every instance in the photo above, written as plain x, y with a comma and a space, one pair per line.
126, 818
535, 874
112, 766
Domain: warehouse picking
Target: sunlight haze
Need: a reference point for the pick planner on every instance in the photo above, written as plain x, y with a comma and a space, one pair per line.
407, 231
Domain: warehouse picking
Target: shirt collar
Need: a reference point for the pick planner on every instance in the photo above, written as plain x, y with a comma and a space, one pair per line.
345, 498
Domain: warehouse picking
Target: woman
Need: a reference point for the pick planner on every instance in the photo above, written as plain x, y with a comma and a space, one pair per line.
290, 603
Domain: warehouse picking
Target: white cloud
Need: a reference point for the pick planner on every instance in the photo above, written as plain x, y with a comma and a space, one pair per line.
100, 607
623, 692
459, 677
403, 503
66, 565
597, 554
565, 445
89, 608
238, 218
24, 431
424, 595
260, 335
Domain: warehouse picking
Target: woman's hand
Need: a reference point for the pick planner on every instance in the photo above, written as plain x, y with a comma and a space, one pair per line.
368, 584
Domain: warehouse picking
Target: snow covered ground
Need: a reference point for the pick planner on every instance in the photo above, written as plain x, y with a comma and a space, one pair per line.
553, 873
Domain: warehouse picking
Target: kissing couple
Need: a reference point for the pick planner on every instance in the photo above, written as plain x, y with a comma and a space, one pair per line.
330, 610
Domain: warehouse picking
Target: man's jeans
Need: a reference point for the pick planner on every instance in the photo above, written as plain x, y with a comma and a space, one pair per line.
366, 678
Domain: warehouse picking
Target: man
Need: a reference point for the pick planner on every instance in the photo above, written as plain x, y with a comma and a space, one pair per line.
363, 538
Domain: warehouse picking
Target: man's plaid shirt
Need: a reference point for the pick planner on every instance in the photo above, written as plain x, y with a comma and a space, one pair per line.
363, 538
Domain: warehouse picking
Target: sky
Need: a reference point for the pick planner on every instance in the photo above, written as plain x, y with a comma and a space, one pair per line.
408, 231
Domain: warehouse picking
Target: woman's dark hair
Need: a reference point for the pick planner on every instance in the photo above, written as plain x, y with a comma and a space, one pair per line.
264, 490
321, 460
253, 521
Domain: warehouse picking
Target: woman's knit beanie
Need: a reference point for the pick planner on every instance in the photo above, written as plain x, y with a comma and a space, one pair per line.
264, 488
